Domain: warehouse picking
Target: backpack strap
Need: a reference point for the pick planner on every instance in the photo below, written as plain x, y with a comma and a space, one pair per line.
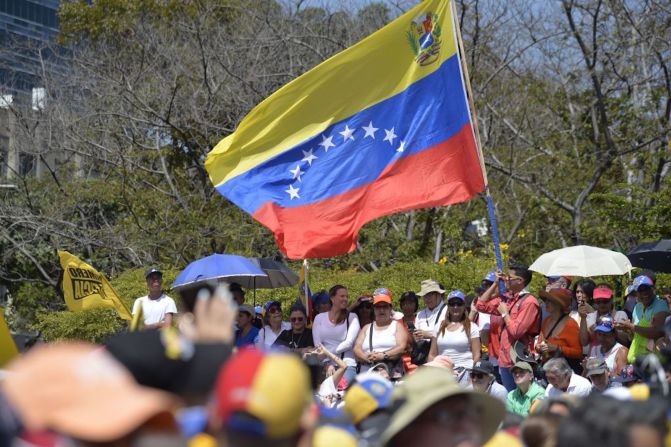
438, 314
342, 354
519, 306
370, 337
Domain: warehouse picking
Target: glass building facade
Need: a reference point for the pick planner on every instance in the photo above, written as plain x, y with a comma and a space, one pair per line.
25, 25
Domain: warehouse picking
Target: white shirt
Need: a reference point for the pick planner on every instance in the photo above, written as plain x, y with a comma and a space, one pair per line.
383, 340
267, 337
457, 346
609, 357
496, 390
426, 319
336, 338
154, 311
578, 386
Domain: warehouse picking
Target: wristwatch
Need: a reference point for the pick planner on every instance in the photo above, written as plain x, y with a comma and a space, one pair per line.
385, 356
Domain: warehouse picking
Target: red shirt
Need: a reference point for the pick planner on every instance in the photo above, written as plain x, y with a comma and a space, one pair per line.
525, 314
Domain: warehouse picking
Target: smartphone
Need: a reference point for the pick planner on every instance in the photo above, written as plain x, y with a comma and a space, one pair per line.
411, 326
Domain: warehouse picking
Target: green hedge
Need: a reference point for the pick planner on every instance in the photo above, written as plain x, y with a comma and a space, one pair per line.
464, 273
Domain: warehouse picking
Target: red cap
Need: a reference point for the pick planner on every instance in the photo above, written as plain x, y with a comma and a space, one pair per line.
602, 293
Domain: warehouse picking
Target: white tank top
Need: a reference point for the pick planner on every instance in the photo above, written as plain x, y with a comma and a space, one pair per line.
608, 357
383, 340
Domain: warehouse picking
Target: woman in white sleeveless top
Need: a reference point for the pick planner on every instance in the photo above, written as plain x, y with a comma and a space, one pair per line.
387, 341
457, 337
269, 333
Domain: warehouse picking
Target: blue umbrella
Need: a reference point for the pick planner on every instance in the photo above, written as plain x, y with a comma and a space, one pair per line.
229, 268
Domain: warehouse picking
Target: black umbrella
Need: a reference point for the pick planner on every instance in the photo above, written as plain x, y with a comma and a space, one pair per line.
655, 256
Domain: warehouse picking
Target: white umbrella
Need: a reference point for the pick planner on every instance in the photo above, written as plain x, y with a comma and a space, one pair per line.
582, 260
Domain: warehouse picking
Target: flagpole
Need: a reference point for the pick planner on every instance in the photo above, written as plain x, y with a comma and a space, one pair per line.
478, 145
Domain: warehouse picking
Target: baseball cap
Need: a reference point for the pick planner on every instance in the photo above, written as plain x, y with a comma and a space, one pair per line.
382, 295
151, 270
247, 308
382, 365
630, 289
428, 386
320, 298
367, 394
382, 291
456, 294
642, 280
258, 309
334, 428
523, 365
605, 323
602, 293
595, 366
490, 276
428, 286
263, 393
169, 361
270, 304
483, 366
78, 389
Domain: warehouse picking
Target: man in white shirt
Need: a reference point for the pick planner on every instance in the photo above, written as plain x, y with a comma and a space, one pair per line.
562, 380
158, 308
428, 319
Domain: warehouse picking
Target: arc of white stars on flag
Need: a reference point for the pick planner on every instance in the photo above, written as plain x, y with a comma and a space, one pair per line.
327, 143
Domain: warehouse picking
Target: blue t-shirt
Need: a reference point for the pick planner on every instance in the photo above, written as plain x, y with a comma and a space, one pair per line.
249, 339
658, 305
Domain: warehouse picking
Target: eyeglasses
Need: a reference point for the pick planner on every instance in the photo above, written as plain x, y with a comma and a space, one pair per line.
455, 303
476, 375
510, 278
296, 319
274, 310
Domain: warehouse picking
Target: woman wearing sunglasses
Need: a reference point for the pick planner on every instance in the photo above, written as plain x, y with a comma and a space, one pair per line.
274, 325
299, 337
457, 337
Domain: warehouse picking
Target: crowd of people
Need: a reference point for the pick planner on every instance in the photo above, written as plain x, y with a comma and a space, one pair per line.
561, 367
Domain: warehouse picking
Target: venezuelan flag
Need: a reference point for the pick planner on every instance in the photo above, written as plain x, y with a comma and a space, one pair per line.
379, 128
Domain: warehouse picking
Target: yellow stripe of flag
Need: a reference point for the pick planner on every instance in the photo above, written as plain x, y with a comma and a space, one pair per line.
365, 74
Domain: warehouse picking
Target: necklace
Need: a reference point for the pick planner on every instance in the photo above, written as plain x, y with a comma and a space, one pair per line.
294, 344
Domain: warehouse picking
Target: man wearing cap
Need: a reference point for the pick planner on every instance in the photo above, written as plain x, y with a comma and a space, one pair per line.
157, 308
520, 315
428, 319
597, 372
247, 334
433, 410
527, 391
483, 379
647, 322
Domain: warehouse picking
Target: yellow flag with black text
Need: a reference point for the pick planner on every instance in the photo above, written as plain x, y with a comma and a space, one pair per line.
85, 288
7, 345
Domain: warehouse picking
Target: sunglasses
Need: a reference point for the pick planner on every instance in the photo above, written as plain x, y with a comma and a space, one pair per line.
456, 303
476, 375
274, 310
296, 319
